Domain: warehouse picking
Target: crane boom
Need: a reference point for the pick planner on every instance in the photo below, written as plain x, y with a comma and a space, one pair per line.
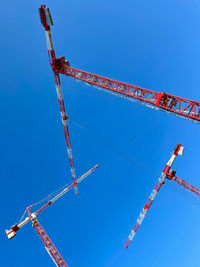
178, 106
145, 210
178, 150
51, 249
46, 21
12, 232
179, 181
64, 191
175, 105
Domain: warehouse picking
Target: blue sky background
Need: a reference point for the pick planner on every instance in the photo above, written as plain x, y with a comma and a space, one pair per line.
152, 44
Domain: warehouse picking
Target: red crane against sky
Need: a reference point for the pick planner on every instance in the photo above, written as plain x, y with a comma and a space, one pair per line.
46, 21
178, 106
51, 249
166, 173
175, 105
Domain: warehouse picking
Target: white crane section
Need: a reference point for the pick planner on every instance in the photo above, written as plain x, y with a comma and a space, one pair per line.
178, 150
12, 232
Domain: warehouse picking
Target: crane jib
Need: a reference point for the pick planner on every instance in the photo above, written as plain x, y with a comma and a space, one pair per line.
175, 105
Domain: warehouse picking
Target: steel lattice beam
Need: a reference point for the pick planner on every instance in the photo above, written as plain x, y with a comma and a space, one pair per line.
175, 105
145, 209
183, 183
51, 249
46, 21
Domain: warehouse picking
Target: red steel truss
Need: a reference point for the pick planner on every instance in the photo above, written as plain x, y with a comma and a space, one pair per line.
183, 183
175, 105
50, 248
145, 210
46, 21
166, 173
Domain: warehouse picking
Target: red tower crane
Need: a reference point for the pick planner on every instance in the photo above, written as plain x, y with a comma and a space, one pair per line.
178, 106
166, 173
46, 21
32, 217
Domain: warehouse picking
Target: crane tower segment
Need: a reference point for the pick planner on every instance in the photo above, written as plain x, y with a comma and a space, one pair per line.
178, 106
32, 216
151, 198
166, 173
46, 21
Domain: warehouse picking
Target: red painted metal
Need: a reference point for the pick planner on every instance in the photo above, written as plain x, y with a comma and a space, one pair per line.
64, 118
46, 21
144, 211
51, 249
166, 173
193, 189
175, 105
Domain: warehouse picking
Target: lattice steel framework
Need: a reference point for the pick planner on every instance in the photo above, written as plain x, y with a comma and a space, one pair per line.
32, 217
166, 173
182, 107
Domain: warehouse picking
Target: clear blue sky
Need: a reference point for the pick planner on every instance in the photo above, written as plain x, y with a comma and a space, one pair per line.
152, 44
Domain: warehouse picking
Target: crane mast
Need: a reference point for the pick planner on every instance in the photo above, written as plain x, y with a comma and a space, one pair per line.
145, 210
166, 173
46, 21
49, 246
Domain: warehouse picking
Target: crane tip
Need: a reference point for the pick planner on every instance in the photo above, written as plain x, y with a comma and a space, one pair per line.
45, 17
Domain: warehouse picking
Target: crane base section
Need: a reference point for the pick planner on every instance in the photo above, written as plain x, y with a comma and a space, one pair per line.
51, 249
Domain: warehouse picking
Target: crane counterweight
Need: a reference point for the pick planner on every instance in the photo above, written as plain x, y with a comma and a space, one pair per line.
10, 233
